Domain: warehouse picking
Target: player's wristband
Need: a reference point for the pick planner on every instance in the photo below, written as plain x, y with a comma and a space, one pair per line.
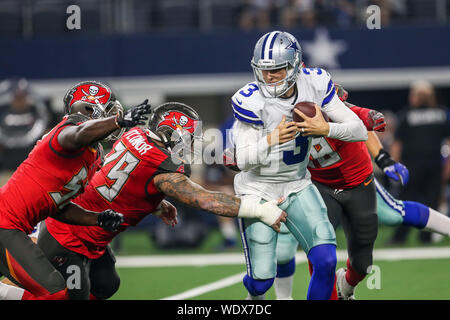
383, 159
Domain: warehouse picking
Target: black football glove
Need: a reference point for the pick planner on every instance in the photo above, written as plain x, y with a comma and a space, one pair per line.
110, 220
133, 116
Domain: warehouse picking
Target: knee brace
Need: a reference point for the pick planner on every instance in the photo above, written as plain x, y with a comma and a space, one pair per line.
257, 287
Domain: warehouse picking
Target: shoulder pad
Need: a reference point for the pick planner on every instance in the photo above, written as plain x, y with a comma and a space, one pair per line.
320, 79
247, 104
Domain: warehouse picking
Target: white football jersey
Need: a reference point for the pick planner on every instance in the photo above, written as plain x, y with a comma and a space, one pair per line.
272, 172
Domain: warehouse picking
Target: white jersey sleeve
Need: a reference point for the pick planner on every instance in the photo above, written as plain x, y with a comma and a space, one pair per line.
249, 136
345, 124
248, 105
252, 149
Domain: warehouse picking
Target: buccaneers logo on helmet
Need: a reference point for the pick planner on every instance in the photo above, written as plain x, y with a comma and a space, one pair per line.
87, 93
177, 120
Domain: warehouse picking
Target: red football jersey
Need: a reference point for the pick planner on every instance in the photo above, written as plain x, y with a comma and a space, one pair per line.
124, 184
339, 164
45, 181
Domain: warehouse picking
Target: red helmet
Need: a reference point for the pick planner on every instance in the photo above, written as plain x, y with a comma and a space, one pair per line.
91, 98
171, 121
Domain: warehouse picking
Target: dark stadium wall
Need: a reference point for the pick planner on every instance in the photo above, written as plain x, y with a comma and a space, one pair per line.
79, 55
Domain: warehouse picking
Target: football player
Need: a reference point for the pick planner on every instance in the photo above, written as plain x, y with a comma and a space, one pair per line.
333, 164
136, 176
272, 154
55, 172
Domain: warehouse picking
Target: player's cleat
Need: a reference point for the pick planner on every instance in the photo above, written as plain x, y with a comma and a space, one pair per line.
344, 290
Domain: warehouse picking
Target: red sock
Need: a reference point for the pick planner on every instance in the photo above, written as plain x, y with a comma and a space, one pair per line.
334, 295
353, 277
92, 297
60, 295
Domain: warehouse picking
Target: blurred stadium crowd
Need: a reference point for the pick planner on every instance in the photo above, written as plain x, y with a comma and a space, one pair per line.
30, 18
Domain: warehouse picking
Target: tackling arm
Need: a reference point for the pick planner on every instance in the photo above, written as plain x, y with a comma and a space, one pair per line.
394, 170
73, 214
74, 137
181, 188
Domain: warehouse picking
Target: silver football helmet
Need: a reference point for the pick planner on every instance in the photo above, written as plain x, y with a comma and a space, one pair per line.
276, 50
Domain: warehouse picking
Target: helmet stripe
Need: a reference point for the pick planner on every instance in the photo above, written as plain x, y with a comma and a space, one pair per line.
271, 44
263, 49
266, 49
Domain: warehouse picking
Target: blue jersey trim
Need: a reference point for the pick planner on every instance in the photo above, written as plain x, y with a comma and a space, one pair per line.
243, 111
239, 117
329, 97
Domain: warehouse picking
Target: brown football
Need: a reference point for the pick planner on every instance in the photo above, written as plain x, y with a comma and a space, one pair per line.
308, 109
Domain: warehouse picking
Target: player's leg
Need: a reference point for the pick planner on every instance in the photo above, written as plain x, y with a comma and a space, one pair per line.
360, 224
394, 212
259, 243
103, 275
308, 221
72, 266
24, 263
285, 252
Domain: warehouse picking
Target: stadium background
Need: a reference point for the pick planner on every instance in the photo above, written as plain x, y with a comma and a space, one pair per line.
198, 52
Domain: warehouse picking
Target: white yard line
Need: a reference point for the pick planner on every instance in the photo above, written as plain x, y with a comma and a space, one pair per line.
225, 282
238, 258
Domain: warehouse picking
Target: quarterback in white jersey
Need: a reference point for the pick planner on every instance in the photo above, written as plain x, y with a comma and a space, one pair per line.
272, 153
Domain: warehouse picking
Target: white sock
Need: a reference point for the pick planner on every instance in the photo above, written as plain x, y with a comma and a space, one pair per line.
438, 222
260, 297
8, 292
283, 287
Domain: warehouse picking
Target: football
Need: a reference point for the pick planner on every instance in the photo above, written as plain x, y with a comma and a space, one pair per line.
308, 109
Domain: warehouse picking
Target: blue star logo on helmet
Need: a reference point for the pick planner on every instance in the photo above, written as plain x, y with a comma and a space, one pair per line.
293, 45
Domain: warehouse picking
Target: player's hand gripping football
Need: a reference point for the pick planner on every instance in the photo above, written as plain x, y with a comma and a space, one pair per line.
167, 212
110, 220
284, 132
312, 126
133, 116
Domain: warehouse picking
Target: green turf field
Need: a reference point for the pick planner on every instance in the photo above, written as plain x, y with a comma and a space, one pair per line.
404, 280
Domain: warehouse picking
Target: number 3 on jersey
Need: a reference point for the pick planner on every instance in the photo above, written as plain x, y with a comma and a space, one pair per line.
119, 173
296, 156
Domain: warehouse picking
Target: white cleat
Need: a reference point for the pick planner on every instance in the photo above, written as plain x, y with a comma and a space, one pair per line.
344, 290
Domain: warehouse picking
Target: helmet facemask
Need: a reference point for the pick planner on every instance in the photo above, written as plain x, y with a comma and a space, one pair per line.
114, 108
179, 128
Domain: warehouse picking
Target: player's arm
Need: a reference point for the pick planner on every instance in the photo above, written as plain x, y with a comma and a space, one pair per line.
73, 214
181, 188
73, 137
394, 170
372, 119
252, 146
346, 125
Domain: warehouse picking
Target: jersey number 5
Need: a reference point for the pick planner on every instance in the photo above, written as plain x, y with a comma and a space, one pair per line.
74, 186
119, 173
